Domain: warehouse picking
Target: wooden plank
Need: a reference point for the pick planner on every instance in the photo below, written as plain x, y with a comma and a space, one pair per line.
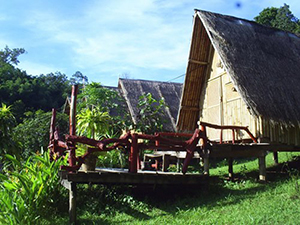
198, 62
134, 178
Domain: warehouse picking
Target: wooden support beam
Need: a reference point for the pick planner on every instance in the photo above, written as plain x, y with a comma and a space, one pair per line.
198, 62
189, 108
206, 165
72, 125
134, 152
275, 157
72, 118
166, 162
52, 149
262, 168
230, 168
178, 165
72, 203
52, 125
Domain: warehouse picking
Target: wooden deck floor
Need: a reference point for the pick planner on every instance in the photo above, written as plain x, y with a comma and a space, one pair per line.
122, 176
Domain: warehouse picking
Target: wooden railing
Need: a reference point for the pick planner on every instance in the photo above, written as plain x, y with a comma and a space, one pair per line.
129, 142
226, 127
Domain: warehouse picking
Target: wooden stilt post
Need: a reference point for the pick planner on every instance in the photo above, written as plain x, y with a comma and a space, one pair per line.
203, 142
275, 157
262, 168
72, 126
178, 165
230, 168
166, 162
206, 165
72, 203
133, 157
51, 132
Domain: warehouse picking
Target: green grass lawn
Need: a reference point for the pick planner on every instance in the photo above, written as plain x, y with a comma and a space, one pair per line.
244, 201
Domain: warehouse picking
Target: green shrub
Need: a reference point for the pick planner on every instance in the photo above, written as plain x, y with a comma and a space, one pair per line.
34, 131
27, 190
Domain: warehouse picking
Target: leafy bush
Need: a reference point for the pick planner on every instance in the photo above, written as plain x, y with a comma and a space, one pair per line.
150, 115
34, 131
7, 123
29, 189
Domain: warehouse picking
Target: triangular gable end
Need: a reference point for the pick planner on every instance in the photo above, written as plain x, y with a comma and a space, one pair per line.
199, 64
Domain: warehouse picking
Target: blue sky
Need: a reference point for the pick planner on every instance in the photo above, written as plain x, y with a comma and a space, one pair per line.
106, 39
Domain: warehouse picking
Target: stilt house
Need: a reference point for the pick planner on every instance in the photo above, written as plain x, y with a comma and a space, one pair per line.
242, 73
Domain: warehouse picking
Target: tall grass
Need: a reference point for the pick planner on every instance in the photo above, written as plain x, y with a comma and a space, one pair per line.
28, 189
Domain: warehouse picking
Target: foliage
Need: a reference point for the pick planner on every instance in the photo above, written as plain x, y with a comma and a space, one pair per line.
105, 100
7, 122
150, 116
33, 132
78, 78
29, 93
94, 94
112, 159
28, 189
92, 123
10, 56
281, 18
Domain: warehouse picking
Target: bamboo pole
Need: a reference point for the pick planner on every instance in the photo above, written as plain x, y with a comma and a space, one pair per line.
72, 126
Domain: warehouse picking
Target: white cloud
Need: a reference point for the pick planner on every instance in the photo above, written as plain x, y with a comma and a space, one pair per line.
113, 37
33, 68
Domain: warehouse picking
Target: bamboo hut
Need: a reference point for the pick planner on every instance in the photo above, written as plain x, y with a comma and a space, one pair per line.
132, 89
242, 73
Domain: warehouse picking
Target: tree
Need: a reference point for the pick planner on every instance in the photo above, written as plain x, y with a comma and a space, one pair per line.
10, 56
33, 132
150, 115
79, 78
281, 18
105, 99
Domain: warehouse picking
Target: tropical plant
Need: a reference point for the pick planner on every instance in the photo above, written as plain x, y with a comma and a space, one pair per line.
33, 132
106, 100
92, 123
29, 189
150, 115
96, 95
7, 123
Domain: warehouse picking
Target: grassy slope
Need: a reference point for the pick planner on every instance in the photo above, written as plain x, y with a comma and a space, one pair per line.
242, 202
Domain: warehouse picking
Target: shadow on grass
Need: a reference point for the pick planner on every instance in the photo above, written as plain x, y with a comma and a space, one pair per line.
138, 201
243, 187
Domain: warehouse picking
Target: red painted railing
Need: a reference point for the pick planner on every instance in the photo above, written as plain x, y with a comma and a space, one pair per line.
129, 141
226, 127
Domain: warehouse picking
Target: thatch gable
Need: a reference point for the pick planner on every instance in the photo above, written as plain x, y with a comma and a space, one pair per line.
263, 63
132, 89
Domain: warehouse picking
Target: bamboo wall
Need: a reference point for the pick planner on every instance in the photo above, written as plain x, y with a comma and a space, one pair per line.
221, 104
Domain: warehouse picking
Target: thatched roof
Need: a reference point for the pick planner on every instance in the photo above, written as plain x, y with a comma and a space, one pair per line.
171, 92
263, 63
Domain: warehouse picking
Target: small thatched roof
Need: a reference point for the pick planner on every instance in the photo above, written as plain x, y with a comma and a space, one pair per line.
263, 63
171, 92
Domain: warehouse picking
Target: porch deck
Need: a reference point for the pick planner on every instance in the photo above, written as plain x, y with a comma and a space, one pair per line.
122, 176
